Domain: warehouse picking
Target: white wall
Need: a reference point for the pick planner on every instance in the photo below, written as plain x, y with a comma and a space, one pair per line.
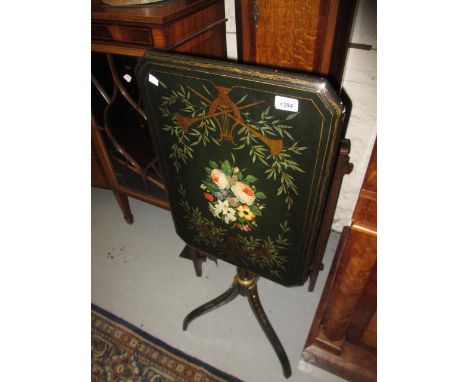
360, 82
231, 29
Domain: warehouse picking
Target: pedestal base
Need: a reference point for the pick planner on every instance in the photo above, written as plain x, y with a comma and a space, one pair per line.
245, 284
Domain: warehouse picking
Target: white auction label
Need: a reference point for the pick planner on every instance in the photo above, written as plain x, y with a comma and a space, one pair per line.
288, 104
127, 77
153, 79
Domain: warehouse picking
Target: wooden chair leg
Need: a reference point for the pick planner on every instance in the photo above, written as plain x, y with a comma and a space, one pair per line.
122, 199
105, 161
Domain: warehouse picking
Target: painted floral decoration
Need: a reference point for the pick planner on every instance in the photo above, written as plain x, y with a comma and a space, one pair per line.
232, 197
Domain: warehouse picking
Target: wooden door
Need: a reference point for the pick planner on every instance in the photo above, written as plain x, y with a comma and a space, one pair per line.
303, 35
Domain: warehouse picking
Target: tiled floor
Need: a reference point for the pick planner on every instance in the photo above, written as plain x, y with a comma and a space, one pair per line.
138, 275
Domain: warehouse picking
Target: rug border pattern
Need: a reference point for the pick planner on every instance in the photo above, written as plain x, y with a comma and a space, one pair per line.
162, 347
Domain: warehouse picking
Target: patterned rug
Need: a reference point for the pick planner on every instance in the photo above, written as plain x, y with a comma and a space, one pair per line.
120, 352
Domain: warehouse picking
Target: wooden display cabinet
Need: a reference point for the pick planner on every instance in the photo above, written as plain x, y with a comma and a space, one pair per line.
300, 35
343, 335
122, 155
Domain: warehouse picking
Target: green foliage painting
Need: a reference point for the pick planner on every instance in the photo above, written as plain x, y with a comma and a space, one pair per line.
236, 212
248, 157
204, 118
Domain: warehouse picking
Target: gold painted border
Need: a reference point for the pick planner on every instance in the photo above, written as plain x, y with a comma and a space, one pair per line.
178, 60
186, 63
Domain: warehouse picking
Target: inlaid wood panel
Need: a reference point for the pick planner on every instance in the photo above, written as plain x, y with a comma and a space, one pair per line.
353, 274
343, 335
186, 26
196, 27
137, 35
365, 310
100, 32
162, 13
303, 35
298, 47
370, 334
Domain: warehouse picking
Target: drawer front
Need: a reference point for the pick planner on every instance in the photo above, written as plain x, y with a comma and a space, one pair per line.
119, 33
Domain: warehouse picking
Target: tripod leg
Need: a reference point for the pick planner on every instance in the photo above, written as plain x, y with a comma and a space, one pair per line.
256, 306
219, 301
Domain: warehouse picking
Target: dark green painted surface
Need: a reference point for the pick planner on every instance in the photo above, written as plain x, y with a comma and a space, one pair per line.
255, 202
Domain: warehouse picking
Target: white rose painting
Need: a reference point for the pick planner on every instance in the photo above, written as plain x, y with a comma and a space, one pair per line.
219, 178
232, 197
244, 193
